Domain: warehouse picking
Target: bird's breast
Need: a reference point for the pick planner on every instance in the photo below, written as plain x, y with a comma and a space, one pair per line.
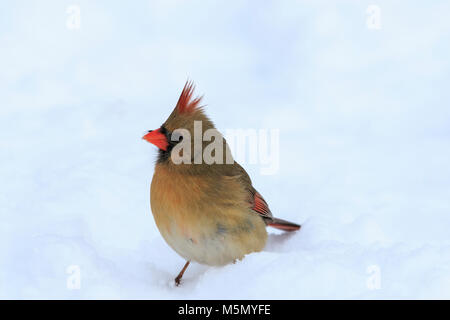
205, 219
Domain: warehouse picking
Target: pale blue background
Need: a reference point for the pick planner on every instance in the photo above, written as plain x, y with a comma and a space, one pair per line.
364, 120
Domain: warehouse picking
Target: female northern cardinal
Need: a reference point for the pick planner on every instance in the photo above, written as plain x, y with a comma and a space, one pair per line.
208, 213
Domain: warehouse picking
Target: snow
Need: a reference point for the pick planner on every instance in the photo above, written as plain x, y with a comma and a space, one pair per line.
364, 145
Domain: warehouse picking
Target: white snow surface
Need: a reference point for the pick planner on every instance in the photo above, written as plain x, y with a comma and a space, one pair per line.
364, 124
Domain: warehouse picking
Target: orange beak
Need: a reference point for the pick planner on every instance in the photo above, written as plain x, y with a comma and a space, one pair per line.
157, 138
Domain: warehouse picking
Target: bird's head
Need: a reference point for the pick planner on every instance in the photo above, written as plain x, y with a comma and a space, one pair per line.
181, 126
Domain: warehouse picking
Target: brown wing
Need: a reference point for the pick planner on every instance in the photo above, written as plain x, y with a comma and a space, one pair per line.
257, 202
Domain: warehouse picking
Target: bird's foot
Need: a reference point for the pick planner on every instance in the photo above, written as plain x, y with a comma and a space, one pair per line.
177, 281
178, 278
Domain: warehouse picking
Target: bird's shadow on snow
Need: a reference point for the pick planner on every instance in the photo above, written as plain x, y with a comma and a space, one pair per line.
276, 241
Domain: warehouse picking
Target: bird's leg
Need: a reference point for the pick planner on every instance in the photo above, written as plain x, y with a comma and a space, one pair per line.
180, 275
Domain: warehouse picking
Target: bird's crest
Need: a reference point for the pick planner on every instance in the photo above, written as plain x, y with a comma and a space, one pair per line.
186, 104
187, 111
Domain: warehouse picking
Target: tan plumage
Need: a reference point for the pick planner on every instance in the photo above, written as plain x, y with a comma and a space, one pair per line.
210, 214
200, 226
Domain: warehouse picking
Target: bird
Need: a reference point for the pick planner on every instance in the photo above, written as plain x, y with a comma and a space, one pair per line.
208, 213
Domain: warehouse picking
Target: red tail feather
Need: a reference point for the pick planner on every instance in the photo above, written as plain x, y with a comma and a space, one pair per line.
283, 225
